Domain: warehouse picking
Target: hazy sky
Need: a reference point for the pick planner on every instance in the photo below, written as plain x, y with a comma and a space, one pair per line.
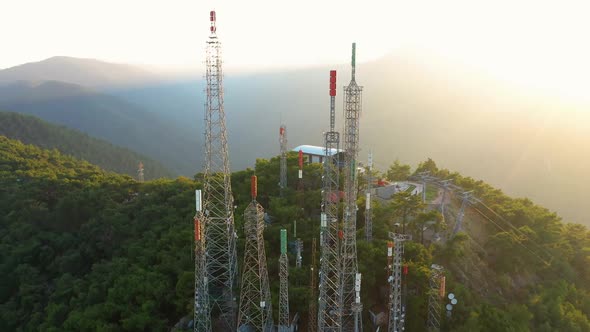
539, 43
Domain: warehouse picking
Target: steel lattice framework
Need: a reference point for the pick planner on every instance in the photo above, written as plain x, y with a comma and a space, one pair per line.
352, 111
330, 299
255, 312
202, 317
434, 297
466, 199
312, 324
283, 170
140, 172
368, 213
300, 191
396, 311
217, 203
299, 258
284, 325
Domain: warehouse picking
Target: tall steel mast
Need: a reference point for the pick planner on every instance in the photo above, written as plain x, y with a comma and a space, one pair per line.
312, 324
217, 201
396, 310
435, 295
368, 213
202, 312
352, 111
255, 312
283, 170
140, 177
284, 324
330, 300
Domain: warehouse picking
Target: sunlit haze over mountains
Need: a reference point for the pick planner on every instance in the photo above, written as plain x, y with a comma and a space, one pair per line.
529, 44
304, 165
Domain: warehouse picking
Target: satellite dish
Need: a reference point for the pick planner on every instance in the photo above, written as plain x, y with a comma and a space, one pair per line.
451, 296
449, 307
454, 301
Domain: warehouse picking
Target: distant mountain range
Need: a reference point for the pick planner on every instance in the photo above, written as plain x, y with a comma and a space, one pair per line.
414, 106
86, 72
31, 130
107, 117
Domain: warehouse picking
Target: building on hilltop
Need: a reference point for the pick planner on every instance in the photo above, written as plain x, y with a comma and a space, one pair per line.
316, 154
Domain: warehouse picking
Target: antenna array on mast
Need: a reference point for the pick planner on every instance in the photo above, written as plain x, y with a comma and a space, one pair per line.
330, 299
352, 111
255, 312
216, 214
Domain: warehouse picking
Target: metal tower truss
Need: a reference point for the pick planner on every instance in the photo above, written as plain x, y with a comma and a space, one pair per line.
140, 172
284, 285
312, 324
352, 111
396, 310
299, 257
300, 191
283, 170
466, 199
436, 293
202, 316
424, 177
330, 299
255, 312
368, 213
217, 203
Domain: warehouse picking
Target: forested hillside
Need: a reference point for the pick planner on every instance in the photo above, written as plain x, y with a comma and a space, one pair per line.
31, 130
106, 117
84, 249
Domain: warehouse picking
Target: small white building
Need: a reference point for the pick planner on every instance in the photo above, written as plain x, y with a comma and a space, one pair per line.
315, 154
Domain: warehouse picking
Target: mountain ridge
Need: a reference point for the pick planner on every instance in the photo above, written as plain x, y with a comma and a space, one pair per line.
32, 130
107, 117
82, 71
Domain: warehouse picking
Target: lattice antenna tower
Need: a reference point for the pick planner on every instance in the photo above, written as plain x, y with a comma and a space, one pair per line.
284, 325
202, 317
299, 258
352, 111
396, 310
330, 299
368, 212
283, 168
300, 190
140, 172
255, 312
217, 203
312, 324
389, 275
435, 296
